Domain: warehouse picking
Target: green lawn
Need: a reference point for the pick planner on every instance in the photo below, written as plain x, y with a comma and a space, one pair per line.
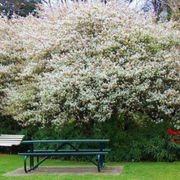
132, 171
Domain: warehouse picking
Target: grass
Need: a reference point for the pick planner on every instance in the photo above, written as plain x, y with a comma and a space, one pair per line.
131, 171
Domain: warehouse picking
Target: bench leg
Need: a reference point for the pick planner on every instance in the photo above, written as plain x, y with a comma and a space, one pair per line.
31, 167
25, 164
31, 162
102, 157
102, 161
37, 159
31, 157
99, 163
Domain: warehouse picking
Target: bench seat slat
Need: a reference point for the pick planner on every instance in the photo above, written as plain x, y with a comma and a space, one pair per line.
11, 136
9, 144
10, 140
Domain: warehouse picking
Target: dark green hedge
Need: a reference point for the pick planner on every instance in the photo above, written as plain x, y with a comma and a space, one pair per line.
130, 139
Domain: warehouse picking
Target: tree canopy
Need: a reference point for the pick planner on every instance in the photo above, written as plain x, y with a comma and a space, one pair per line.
19, 7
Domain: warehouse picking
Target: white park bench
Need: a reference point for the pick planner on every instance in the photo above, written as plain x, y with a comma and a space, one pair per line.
8, 140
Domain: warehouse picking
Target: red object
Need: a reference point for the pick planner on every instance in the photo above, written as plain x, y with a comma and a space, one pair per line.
173, 132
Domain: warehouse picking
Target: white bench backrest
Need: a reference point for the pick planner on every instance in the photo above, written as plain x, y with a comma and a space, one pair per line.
10, 140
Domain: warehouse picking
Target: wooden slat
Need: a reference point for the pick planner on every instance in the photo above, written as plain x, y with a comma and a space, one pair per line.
10, 140
5, 144
6, 139
9, 144
11, 136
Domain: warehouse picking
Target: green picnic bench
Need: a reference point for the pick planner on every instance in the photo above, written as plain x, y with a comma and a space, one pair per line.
64, 148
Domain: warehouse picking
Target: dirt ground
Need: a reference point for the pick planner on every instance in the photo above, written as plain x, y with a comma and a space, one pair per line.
66, 170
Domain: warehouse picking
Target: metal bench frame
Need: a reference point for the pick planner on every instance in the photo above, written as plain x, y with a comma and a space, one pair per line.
59, 151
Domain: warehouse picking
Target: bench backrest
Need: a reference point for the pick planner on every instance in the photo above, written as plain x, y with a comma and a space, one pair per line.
10, 140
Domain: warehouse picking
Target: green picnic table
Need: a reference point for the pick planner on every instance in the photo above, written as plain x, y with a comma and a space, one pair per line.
67, 147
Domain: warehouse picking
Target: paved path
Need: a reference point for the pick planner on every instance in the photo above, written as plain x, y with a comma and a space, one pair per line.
66, 170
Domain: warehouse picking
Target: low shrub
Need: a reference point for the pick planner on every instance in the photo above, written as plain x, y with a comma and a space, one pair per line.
145, 142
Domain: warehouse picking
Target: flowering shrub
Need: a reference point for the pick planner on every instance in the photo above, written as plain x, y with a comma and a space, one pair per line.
89, 63
173, 132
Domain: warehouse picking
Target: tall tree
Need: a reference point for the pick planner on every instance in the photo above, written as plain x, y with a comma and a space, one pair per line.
19, 7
